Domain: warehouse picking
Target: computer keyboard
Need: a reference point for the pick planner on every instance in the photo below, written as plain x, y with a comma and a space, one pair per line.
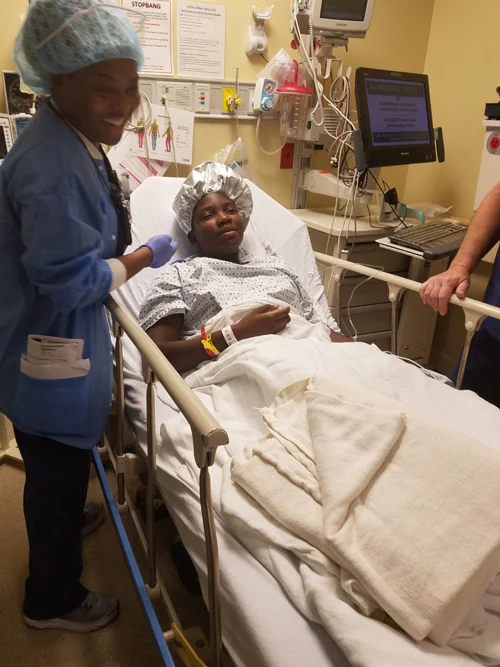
434, 240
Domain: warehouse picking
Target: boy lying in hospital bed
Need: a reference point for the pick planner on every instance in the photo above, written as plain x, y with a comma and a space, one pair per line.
201, 307
213, 208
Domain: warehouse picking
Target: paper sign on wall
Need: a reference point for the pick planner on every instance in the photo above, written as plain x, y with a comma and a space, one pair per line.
122, 159
201, 40
155, 34
169, 136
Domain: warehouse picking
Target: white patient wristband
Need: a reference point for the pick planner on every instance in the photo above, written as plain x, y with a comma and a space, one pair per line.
118, 273
229, 337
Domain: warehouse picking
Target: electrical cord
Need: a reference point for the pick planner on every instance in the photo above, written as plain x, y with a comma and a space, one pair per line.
309, 62
173, 138
401, 220
425, 371
356, 287
130, 127
148, 159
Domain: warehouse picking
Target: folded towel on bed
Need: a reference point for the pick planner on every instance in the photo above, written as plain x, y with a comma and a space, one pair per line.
407, 507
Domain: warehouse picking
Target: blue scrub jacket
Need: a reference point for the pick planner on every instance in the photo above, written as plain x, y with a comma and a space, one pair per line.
57, 227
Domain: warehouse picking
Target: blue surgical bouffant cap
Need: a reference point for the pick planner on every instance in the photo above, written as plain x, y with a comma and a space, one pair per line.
63, 36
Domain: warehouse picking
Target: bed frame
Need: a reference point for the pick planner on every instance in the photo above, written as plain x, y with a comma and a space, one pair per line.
207, 437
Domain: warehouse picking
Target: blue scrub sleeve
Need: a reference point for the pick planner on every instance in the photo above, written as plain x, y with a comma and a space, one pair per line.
61, 254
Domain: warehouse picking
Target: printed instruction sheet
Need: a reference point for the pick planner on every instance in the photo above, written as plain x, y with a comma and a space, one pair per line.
201, 39
155, 34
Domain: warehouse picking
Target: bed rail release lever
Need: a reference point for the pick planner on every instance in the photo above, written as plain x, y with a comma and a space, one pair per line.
395, 294
473, 321
206, 446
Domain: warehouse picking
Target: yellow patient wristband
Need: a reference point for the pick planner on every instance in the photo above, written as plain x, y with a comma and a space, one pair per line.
209, 347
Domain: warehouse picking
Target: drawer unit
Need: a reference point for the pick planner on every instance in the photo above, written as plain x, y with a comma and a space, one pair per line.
366, 319
382, 340
367, 294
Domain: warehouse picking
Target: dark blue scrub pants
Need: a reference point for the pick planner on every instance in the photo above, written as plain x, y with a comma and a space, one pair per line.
57, 478
482, 373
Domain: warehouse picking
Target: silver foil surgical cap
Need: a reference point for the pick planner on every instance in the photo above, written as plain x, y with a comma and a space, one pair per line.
211, 177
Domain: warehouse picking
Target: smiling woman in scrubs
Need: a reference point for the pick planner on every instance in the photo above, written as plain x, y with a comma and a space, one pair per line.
63, 232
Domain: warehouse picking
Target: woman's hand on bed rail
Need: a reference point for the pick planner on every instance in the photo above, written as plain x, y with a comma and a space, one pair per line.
262, 321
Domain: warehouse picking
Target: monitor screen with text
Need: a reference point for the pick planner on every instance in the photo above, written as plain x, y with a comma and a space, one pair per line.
397, 112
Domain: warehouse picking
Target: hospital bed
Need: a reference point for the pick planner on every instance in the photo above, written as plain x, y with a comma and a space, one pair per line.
260, 624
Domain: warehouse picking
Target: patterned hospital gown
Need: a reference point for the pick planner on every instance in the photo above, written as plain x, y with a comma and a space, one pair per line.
200, 287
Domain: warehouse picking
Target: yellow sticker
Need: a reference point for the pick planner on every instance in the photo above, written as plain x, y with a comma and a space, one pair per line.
184, 649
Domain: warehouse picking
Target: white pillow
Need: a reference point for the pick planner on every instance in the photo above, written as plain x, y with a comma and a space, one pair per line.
271, 223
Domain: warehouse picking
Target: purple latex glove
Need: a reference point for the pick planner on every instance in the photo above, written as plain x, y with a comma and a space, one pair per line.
163, 249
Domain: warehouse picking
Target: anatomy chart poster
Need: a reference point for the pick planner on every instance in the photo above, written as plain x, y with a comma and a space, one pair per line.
168, 136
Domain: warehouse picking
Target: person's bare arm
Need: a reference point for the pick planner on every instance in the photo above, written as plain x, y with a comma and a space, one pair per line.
136, 261
184, 355
339, 338
483, 233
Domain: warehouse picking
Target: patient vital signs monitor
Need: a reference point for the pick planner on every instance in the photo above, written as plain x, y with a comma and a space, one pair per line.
395, 118
349, 18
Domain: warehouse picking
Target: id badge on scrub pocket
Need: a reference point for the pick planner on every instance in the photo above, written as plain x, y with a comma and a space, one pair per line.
53, 390
52, 358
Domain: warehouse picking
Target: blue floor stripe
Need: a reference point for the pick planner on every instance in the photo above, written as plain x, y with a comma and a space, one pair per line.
132, 564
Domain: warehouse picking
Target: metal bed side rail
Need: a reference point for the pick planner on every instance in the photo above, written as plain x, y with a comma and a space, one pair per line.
207, 434
201, 420
475, 311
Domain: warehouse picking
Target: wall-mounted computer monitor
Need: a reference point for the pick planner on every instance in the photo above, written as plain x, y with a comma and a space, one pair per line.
395, 118
349, 17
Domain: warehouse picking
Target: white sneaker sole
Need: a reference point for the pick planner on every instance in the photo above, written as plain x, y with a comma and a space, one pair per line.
72, 626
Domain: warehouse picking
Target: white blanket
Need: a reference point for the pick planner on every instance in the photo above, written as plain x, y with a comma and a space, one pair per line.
401, 503
249, 375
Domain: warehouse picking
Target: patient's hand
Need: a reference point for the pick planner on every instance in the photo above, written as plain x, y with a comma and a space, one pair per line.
262, 322
339, 338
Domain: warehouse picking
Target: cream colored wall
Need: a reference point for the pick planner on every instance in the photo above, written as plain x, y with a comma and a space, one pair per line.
10, 22
211, 136
397, 40
462, 64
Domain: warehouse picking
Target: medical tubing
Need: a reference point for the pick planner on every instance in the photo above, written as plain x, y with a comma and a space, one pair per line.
257, 139
173, 138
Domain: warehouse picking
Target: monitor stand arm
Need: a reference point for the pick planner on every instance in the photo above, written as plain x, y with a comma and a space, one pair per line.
387, 200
